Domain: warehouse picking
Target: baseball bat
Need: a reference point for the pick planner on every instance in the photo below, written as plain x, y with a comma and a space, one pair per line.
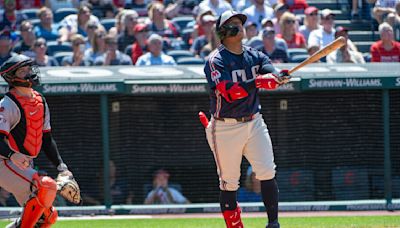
336, 44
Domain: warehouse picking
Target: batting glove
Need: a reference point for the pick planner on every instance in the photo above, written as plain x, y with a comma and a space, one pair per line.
283, 77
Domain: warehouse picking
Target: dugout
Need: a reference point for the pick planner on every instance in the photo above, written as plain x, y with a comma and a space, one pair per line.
335, 131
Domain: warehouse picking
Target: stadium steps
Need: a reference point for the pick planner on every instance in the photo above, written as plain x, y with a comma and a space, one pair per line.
363, 46
353, 26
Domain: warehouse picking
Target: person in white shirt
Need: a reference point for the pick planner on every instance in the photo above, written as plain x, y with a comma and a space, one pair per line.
155, 56
344, 54
323, 36
311, 21
257, 12
218, 6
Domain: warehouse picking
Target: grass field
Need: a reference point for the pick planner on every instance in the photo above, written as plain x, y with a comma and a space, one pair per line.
303, 222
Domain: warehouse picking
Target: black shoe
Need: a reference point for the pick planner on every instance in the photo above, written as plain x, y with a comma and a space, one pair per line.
273, 225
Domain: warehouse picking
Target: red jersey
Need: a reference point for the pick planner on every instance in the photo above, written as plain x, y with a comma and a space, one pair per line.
298, 40
379, 54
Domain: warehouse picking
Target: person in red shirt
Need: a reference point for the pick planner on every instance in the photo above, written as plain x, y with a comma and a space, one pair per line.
289, 32
386, 49
139, 47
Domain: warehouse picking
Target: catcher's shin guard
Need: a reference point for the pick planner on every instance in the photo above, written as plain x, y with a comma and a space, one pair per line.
41, 201
49, 218
232, 218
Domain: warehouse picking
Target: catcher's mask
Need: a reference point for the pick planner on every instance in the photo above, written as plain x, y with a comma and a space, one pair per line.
15, 76
225, 30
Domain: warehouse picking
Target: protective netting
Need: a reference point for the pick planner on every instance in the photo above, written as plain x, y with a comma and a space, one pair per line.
328, 145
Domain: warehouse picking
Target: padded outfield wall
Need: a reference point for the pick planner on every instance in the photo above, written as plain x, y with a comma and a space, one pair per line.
335, 131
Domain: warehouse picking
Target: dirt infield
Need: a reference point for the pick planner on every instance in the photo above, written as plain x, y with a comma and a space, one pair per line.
245, 214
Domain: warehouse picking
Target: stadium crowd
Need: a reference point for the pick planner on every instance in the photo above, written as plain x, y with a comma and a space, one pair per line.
171, 32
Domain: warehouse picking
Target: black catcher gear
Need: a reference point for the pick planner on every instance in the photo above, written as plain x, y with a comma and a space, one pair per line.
9, 68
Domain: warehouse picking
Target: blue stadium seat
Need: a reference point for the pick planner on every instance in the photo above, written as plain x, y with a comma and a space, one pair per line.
128, 50
189, 61
35, 22
53, 47
182, 21
296, 51
63, 12
367, 57
108, 23
60, 55
298, 58
176, 54
30, 13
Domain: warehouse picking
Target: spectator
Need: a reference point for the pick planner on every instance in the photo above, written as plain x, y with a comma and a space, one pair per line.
98, 46
6, 199
5, 46
140, 6
140, 45
78, 49
210, 46
312, 49
311, 21
394, 20
217, 6
289, 32
159, 24
257, 12
180, 8
90, 30
76, 23
251, 192
344, 54
117, 29
155, 56
112, 56
11, 18
326, 34
127, 35
199, 23
296, 6
28, 38
25, 4
162, 193
279, 10
240, 5
386, 49
41, 59
54, 5
383, 8
277, 55
46, 29
201, 41
250, 30
102, 9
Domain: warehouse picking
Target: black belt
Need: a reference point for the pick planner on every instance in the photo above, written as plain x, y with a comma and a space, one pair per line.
238, 119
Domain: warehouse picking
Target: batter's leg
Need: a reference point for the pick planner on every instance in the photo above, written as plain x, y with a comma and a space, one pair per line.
259, 153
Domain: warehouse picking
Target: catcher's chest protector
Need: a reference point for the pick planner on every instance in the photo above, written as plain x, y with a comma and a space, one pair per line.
26, 137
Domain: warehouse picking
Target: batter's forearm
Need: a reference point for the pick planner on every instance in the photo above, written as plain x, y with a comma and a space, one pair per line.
50, 148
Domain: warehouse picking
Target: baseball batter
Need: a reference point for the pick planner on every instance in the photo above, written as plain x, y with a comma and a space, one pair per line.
24, 131
235, 73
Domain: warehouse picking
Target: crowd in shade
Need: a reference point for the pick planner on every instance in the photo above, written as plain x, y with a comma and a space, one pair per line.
175, 32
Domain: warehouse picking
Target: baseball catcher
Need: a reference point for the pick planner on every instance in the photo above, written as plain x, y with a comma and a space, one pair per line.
25, 131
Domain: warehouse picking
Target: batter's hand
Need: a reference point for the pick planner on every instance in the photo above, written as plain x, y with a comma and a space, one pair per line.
283, 77
20, 160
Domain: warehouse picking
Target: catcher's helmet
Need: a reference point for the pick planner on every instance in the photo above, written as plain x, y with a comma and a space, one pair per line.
9, 68
224, 30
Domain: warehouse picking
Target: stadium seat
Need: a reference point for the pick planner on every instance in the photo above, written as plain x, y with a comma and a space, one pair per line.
35, 22
298, 58
60, 55
63, 12
176, 54
189, 61
128, 50
186, 34
296, 51
54, 47
296, 184
367, 57
30, 13
350, 183
182, 21
108, 23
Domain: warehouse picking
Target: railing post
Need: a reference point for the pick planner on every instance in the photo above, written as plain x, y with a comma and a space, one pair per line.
106, 149
386, 148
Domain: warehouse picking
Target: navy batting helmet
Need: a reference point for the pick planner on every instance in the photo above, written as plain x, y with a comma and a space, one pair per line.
224, 30
9, 68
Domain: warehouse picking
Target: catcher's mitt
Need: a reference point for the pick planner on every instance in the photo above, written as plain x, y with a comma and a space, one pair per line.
68, 187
